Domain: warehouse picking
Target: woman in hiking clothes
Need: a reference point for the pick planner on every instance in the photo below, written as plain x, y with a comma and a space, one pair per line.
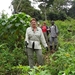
45, 31
33, 38
53, 36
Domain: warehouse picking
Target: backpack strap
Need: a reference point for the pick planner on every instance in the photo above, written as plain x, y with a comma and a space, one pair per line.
55, 28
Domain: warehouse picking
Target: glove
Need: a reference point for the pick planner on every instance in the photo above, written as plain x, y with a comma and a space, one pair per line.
26, 44
47, 48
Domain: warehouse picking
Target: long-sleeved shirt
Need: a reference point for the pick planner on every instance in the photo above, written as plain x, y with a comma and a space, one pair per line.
53, 31
37, 37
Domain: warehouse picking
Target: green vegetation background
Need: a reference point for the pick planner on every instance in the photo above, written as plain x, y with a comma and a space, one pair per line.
13, 60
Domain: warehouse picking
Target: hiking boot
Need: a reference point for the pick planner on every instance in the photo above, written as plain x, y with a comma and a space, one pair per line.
53, 51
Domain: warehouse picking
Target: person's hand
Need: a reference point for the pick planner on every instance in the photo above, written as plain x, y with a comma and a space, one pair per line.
56, 36
47, 48
26, 44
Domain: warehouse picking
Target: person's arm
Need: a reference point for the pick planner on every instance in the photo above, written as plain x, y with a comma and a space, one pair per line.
49, 29
56, 30
26, 38
42, 38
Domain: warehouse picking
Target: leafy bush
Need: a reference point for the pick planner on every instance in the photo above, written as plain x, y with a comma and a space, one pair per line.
13, 30
12, 51
63, 60
26, 70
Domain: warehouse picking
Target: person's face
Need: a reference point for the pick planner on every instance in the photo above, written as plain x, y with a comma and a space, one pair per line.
33, 23
44, 23
52, 23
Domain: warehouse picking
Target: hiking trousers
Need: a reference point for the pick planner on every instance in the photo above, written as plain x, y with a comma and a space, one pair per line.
46, 37
53, 40
53, 43
30, 53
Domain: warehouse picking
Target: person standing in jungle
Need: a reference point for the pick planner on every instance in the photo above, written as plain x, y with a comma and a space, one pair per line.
39, 25
53, 37
45, 31
33, 38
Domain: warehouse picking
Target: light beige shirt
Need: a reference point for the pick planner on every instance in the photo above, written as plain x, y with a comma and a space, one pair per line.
37, 37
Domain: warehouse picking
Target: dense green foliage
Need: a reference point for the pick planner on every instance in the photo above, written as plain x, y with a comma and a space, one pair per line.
54, 9
25, 6
72, 11
49, 9
13, 60
13, 29
12, 35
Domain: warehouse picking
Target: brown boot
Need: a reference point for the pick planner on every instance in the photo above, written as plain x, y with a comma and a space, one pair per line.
53, 51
